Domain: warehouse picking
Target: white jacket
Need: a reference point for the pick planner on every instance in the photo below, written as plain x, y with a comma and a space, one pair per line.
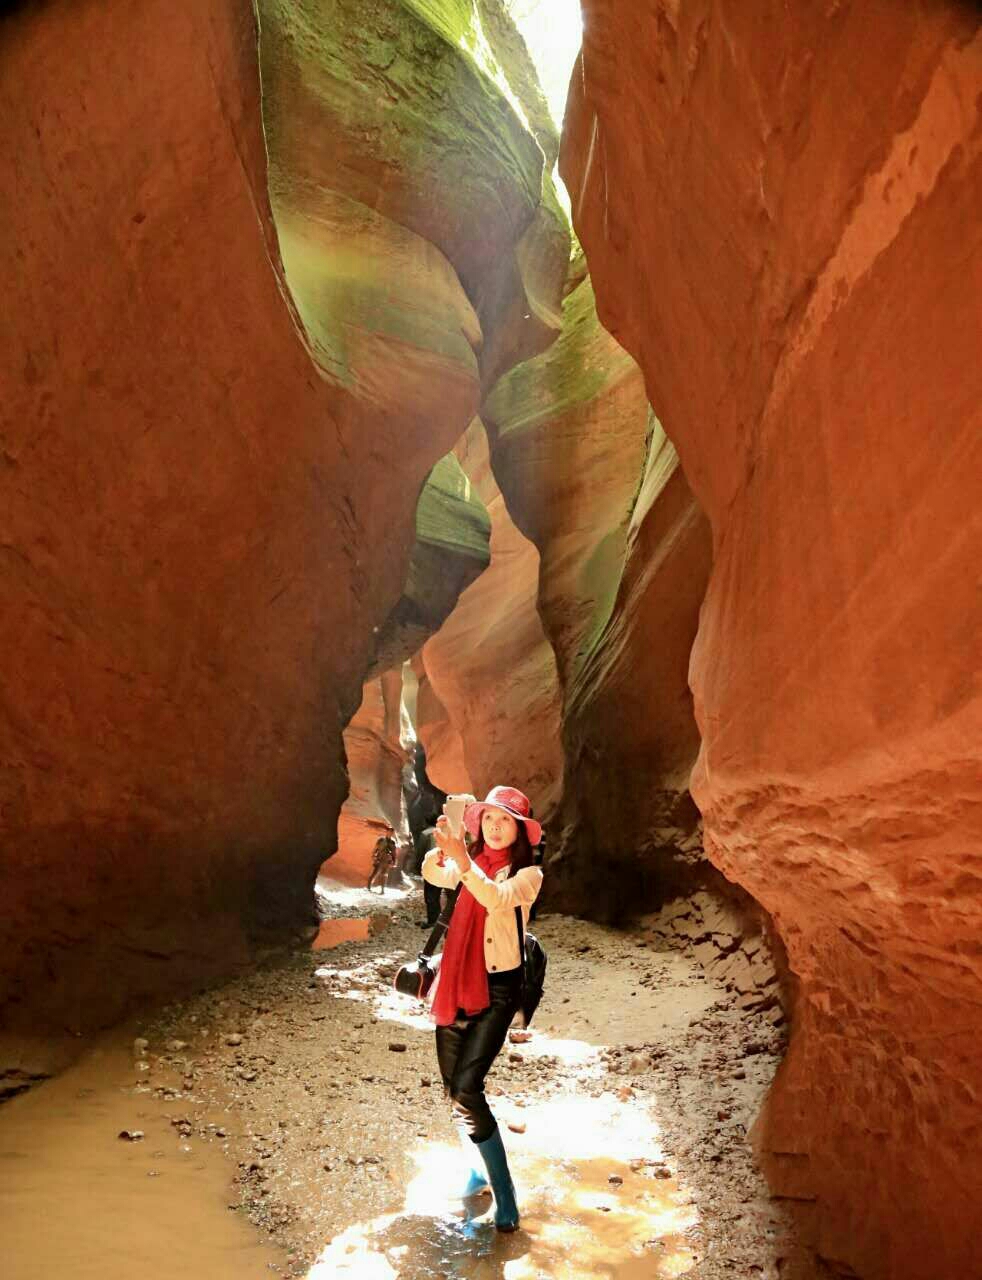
500, 896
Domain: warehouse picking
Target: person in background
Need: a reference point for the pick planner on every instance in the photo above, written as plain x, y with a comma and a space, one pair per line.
383, 859
478, 990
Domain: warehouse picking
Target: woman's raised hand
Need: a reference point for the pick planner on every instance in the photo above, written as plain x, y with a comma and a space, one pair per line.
451, 846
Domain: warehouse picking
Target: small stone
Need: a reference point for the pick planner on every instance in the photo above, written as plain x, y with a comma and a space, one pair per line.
519, 1037
516, 1126
395, 1046
616, 1180
625, 1092
175, 1046
233, 1039
131, 1135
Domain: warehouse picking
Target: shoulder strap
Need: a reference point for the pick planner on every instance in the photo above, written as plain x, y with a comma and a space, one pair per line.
441, 926
521, 948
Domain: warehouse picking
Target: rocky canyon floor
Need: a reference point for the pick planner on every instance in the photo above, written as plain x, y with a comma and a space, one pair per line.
313, 1087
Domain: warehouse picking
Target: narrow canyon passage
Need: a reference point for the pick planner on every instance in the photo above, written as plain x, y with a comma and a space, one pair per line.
315, 1086
418, 396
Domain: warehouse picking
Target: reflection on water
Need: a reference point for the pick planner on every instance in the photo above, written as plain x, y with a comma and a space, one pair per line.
77, 1201
594, 1197
333, 932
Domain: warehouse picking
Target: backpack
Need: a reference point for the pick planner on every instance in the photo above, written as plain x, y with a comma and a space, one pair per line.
533, 969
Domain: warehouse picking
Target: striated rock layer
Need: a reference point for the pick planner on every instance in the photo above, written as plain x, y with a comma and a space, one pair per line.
206, 508
590, 477
791, 248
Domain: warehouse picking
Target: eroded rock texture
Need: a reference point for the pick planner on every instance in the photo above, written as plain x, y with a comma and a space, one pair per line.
790, 246
590, 477
376, 757
490, 669
207, 508
390, 230
451, 550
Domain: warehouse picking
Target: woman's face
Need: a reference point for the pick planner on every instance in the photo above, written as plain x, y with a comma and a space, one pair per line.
499, 829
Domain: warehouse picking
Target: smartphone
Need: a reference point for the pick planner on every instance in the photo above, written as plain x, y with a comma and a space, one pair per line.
454, 809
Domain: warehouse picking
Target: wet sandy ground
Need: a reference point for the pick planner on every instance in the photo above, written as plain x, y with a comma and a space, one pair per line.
292, 1122
625, 1114
78, 1200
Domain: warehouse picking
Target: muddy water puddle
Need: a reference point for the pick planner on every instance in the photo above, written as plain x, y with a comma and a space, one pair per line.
78, 1200
587, 1214
333, 933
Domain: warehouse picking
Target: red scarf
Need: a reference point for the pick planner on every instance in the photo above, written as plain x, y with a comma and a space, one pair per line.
463, 979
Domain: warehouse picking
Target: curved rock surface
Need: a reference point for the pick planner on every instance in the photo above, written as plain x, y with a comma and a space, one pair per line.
447, 769
452, 548
591, 479
792, 253
350, 90
207, 507
491, 668
373, 745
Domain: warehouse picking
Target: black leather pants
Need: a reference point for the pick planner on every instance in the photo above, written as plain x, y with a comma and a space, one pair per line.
467, 1048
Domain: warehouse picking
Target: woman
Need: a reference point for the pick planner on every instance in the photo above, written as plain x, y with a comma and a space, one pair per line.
478, 990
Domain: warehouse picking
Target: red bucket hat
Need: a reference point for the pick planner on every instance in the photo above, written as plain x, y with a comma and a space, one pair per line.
512, 801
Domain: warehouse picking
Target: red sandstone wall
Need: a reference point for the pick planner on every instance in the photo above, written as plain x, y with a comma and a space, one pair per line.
190, 562
491, 667
375, 758
780, 210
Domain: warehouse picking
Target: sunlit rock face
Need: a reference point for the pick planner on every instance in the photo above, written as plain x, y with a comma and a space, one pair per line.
590, 477
376, 758
415, 207
211, 455
451, 550
490, 669
790, 248
448, 768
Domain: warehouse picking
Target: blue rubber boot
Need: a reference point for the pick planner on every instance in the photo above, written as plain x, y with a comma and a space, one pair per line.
476, 1180
505, 1209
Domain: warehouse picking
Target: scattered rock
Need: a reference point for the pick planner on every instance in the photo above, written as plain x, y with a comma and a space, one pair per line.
131, 1135
396, 1047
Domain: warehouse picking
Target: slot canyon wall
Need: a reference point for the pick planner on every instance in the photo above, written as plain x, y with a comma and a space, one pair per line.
591, 479
214, 435
489, 701
451, 550
784, 231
